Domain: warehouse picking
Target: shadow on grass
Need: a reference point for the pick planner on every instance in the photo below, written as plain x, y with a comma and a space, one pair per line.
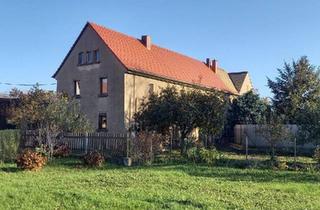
10, 169
171, 203
254, 175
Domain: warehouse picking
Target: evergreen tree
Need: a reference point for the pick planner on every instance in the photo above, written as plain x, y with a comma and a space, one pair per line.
296, 89
248, 109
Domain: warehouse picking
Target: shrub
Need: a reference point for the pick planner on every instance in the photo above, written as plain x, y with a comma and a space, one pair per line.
61, 150
209, 156
94, 159
203, 155
316, 155
9, 143
144, 146
31, 160
193, 154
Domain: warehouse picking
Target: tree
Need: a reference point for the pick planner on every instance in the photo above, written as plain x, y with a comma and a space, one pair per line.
248, 108
184, 110
49, 113
296, 89
274, 132
309, 129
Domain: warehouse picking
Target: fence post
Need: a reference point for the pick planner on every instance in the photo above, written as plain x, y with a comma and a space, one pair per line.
246, 147
295, 151
86, 143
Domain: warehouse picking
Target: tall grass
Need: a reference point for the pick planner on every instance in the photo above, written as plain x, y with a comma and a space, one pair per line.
9, 142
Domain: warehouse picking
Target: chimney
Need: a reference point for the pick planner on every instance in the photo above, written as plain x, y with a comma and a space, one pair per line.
214, 65
146, 41
208, 62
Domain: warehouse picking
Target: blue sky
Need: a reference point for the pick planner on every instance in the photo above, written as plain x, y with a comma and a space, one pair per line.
253, 35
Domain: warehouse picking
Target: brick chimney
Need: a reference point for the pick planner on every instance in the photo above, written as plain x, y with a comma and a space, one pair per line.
214, 65
146, 41
208, 62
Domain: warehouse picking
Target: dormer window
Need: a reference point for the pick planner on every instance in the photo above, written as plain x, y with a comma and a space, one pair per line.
96, 56
80, 58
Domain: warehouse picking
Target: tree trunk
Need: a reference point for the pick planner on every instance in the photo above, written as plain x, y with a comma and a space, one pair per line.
183, 148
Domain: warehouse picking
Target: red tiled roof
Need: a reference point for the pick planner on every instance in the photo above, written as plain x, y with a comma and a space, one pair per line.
158, 61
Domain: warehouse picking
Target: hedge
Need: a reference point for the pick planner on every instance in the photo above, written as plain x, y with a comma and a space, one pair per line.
9, 142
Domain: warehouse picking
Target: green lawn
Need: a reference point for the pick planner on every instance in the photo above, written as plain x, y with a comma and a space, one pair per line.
64, 184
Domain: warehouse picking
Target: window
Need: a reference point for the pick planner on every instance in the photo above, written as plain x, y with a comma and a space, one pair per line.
77, 88
150, 89
102, 121
89, 57
80, 58
96, 56
103, 86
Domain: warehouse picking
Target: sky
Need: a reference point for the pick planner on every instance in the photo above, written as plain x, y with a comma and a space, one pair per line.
253, 35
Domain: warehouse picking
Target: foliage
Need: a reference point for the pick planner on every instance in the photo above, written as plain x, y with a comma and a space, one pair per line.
203, 155
31, 160
248, 108
94, 159
48, 112
296, 89
209, 156
61, 150
309, 128
144, 146
274, 132
184, 110
193, 154
179, 186
316, 155
9, 142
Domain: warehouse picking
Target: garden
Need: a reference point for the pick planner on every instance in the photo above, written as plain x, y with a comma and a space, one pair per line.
166, 164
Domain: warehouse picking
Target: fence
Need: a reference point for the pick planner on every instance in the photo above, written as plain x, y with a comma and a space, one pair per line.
80, 144
111, 144
256, 140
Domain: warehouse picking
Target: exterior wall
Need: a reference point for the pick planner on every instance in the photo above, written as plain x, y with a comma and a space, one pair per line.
136, 90
89, 75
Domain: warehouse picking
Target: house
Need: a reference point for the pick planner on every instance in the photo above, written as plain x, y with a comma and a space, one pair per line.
6, 102
110, 73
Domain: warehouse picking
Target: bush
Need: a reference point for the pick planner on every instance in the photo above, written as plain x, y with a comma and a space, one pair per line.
193, 154
209, 156
316, 155
31, 160
9, 143
203, 155
144, 146
94, 159
61, 150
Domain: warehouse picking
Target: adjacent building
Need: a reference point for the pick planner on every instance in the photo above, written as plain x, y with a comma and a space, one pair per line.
110, 73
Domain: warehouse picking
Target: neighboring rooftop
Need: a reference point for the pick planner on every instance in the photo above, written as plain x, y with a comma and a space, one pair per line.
238, 79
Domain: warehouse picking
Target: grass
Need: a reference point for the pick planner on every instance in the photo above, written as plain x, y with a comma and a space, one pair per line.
65, 184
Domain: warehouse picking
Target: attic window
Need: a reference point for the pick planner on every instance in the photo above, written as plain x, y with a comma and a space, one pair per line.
89, 57
80, 58
96, 56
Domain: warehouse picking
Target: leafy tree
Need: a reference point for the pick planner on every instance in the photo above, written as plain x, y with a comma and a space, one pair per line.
49, 113
274, 132
296, 89
185, 110
248, 108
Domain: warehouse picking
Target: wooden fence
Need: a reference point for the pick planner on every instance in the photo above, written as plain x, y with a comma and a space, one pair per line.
80, 144
110, 144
